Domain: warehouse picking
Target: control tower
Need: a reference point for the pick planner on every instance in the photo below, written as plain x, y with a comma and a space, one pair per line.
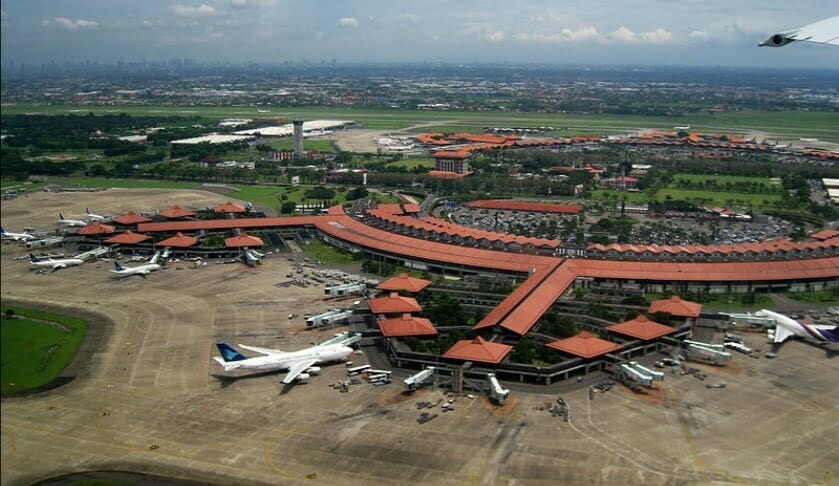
298, 138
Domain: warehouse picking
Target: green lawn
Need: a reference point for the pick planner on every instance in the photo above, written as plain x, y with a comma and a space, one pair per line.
613, 195
825, 297
323, 252
722, 179
782, 124
125, 183
27, 361
727, 301
271, 195
288, 144
709, 198
413, 163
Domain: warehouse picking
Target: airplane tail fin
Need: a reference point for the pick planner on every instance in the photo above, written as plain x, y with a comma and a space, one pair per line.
87, 210
228, 366
2, 230
60, 216
832, 335
32, 258
155, 257
118, 267
228, 353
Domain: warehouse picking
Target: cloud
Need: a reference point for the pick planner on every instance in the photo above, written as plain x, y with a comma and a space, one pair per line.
240, 4
700, 35
408, 18
582, 34
495, 36
70, 24
202, 10
350, 22
626, 36
4, 18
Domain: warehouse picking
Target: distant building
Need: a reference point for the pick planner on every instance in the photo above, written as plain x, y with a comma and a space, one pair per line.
456, 161
285, 155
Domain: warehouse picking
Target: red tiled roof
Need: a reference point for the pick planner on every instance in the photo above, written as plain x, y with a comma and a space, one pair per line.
585, 345
825, 234
442, 174
127, 238
229, 207
393, 303
412, 208
450, 154
479, 350
407, 325
176, 212
131, 218
97, 228
528, 311
675, 306
511, 205
179, 241
404, 282
242, 240
642, 328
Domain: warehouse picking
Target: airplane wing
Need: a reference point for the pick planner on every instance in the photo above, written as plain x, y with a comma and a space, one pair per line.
822, 32
266, 351
781, 334
296, 369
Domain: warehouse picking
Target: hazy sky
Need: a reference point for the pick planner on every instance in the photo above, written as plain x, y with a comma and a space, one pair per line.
698, 32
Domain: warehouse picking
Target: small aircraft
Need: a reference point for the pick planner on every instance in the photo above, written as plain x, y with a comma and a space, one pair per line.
786, 328
94, 217
298, 364
141, 270
70, 223
25, 236
49, 263
822, 32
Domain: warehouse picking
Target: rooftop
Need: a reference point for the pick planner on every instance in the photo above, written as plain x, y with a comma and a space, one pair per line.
176, 212
394, 303
97, 228
510, 205
131, 218
585, 345
229, 207
407, 325
179, 241
478, 349
127, 238
675, 306
404, 282
642, 328
243, 240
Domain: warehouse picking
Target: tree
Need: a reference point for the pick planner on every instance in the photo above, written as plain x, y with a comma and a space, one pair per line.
10, 313
343, 157
288, 207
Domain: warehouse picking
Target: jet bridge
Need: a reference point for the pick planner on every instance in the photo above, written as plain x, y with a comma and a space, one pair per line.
330, 318
750, 319
345, 289
417, 380
636, 374
45, 243
94, 253
496, 393
343, 338
714, 354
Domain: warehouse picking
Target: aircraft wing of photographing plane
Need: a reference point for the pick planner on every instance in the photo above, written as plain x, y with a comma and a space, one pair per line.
269, 352
296, 368
822, 32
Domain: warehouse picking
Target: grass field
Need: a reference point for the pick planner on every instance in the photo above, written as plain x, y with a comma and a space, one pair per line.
722, 179
123, 183
271, 196
785, 125
719, 198
727, 301
413, 163
34, 351
613, 195
825, 297
319, 145
323, 252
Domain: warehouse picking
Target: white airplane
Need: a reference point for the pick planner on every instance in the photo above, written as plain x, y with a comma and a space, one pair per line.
786, 328
51, 264
70, 223
822, 32
298, 364
94, 217
25, 236
141, 270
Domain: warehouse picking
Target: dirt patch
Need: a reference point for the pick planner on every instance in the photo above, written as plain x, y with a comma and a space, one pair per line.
394, 398
654, 396
500, 411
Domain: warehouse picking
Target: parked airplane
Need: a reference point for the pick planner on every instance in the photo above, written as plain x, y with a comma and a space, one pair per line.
141, 270
822, 32
786, 328
298, 364
94, 217
70, 223
51, 264
25, 236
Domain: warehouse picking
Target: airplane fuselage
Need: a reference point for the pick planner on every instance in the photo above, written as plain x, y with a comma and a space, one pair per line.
785, 326
138, 270
56, 264
282, 362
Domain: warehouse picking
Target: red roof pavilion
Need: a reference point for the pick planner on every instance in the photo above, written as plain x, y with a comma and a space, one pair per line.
675, 306
478, 349
176, 212
585, 345
131, 218
230, 208
97, 228
407, 325
128, 238
404, 282
394, 304
642, 328
243, 240
179, 241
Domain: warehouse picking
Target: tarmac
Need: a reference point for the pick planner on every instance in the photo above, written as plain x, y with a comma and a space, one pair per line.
147, 398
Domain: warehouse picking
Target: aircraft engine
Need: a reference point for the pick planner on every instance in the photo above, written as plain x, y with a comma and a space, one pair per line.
777, 40
314, 370
303, 377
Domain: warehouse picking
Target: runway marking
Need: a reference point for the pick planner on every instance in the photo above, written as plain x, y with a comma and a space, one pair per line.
688, 436
6, 462
485, 462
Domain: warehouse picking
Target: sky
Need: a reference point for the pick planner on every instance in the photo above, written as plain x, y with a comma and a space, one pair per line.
647, 32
